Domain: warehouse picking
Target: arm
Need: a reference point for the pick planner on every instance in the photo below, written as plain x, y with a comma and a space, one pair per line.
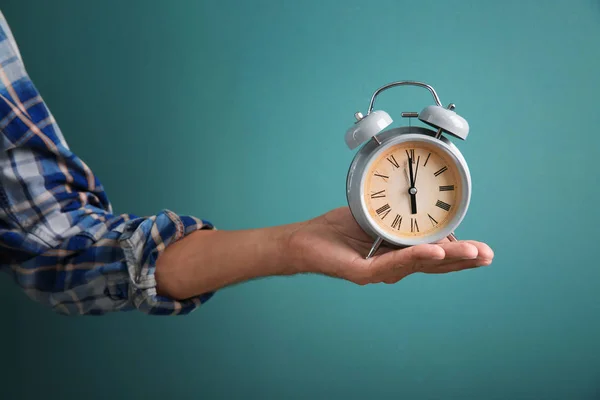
331, 244
207, 261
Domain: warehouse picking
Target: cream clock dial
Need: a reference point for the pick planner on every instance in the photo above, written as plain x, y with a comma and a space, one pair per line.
412, 190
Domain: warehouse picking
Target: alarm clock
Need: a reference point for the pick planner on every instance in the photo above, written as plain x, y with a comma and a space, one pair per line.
410, 184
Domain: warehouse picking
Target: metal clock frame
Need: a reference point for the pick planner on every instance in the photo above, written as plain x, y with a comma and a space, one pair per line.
381, 142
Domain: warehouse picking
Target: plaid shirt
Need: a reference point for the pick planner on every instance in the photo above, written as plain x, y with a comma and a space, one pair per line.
59, 239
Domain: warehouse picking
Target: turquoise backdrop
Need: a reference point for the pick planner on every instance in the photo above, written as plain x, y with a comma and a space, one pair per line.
234, 111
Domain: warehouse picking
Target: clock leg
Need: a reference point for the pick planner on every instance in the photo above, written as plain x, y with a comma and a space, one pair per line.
375, 247
452, 237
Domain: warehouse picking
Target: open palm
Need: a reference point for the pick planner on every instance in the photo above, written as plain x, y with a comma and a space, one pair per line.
335, 245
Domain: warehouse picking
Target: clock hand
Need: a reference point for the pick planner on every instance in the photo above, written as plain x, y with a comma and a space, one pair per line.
416, 172
412, 191
410, 169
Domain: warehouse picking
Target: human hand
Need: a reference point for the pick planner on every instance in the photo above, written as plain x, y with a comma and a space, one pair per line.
333, 244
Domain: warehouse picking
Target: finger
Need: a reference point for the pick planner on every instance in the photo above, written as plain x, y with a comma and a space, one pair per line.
400, 263
484, 256
405, 263
440, 266
483, 250
460, 250
406, 257
444, 268
458, 266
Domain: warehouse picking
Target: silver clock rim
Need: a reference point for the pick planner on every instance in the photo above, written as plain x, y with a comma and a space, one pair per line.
366, 156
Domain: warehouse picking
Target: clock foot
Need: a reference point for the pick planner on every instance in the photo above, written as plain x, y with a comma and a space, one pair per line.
452, 237
375, 247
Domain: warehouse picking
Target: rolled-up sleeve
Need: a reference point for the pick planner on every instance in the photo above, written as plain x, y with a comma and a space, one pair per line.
141, 243
108, 267
59, 238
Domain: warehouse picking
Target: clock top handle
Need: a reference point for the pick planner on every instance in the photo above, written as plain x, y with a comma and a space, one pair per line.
402, 83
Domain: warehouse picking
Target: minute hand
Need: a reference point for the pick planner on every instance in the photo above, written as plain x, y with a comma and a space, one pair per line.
412, 191
410, 171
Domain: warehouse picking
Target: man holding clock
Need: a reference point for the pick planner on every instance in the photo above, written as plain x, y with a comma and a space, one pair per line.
61, 243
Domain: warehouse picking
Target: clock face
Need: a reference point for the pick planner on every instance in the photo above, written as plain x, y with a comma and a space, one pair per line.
412, 189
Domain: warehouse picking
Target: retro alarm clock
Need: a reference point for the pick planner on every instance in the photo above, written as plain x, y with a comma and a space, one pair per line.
408, 185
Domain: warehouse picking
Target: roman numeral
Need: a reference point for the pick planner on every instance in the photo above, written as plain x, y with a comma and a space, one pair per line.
411, 154
397, 222
433, 221
384, 177
414, 227
441, 171
446, 188
377, 195
442, 205
383, 211
425, 164
393, 161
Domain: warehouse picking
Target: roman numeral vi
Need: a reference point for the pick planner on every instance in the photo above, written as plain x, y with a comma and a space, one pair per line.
414, 227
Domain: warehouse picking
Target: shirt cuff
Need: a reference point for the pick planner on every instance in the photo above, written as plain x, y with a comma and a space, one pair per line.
142, 242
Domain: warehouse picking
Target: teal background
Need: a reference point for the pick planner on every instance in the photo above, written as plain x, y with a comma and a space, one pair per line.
234, 111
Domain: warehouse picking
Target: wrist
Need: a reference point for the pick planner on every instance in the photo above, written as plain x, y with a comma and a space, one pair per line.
287, 255
295, 249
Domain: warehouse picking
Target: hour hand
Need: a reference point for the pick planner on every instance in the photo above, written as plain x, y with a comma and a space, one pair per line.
413, 200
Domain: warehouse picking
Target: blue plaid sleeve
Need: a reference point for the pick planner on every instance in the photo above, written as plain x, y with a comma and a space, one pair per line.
59, 239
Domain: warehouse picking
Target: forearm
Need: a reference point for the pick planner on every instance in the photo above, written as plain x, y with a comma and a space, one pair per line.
206, 261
